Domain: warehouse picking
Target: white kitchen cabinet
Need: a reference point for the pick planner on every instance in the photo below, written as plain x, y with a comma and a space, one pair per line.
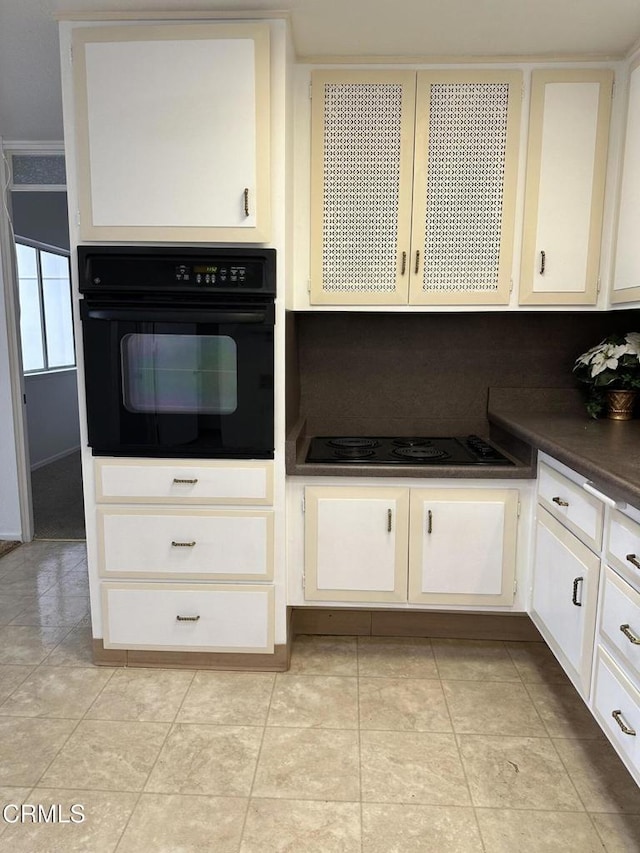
163, 524
413, 186
582, 513
476, 567
191, 617
172, 132
431, 546
616, 706
356, 544
564, 197
565, 590
200, 544
626, 278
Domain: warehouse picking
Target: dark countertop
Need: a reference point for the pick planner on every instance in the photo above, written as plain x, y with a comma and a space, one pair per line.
297, 445
605, 451
520, 422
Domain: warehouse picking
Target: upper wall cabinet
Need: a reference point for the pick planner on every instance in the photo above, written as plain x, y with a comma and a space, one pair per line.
626, 279
564, 196
413, 186
173, 132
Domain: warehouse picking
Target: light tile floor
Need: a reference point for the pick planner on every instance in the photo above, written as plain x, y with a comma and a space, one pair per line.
364, 746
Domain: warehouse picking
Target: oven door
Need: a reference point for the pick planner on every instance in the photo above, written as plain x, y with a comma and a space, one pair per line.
186, 380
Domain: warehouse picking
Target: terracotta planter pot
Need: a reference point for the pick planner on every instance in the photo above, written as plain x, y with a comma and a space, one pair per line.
620, 405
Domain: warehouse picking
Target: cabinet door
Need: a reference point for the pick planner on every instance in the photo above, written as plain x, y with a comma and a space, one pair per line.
565, 586
463, 546
564, 197
626, 279
173, 132
356, 544
361, 171
466, 157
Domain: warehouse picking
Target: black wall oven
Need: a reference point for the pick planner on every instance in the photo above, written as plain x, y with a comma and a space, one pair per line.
178, 351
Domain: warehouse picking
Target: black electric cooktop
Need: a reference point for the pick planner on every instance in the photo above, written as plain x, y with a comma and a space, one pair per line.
467, 450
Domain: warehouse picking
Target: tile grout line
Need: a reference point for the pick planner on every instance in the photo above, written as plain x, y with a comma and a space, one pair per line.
359, 746
151, 769
255, 769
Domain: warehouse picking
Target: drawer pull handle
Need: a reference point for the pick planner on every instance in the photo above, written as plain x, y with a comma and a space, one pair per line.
560, 501
417, 267
185, 482
182, 544
633, 560
574, 597
429, 521
187, 618
543, 262
626, 630
617, 716
403, 268
389, 521
246, 201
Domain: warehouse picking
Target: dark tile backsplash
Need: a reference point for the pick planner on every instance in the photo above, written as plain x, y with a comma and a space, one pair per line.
360, 372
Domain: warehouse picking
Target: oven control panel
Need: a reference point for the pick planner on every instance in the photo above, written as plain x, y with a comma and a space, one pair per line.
176, 270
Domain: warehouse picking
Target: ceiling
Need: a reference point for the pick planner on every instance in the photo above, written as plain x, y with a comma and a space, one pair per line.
30, 97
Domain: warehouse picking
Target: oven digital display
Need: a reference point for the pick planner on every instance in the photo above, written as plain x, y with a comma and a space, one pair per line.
202, 269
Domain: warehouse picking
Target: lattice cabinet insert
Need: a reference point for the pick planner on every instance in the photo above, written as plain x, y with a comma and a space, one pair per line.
413, 186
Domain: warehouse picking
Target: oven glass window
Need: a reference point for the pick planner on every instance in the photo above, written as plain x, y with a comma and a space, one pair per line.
190, 374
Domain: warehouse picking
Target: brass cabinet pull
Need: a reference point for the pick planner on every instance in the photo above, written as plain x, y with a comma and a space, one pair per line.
246, 201
574, 597
417, 261
182, 544
429, 521
185, 482
626, 630
187, 618
633, 560
389, 520
543, 262
617, 716
403, 268
560, 501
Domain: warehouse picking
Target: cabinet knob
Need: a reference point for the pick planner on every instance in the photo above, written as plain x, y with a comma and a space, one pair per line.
183, 544
626, 630
574, 597
187, 618
560, 501
633, 560
617, 716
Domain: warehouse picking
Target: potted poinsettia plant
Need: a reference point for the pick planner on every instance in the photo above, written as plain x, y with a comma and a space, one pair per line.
611, 370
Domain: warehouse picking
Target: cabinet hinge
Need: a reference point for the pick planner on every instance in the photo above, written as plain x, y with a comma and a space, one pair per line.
515, 586
71, 54
310, 91
304, 504
308, 285
598, 285
519, 508
510, 285
78, 218
304, 582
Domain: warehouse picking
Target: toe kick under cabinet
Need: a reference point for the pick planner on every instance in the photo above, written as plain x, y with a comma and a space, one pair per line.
186, 555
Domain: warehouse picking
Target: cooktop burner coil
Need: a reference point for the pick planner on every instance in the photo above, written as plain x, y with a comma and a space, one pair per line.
353, 443
420, 452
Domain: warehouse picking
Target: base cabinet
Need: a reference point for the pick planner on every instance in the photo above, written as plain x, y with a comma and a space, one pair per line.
425, 546
178, 570
565, 590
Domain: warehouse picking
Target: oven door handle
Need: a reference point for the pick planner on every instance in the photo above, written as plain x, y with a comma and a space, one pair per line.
178, 315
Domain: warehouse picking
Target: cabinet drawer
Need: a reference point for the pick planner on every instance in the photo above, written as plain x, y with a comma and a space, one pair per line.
620, 620
188, 482
616, 704
191, 617
579, 511
189, 544
623, 546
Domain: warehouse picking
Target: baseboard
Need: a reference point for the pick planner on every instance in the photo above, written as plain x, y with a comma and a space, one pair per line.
276, 662
55, 458
413, 623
